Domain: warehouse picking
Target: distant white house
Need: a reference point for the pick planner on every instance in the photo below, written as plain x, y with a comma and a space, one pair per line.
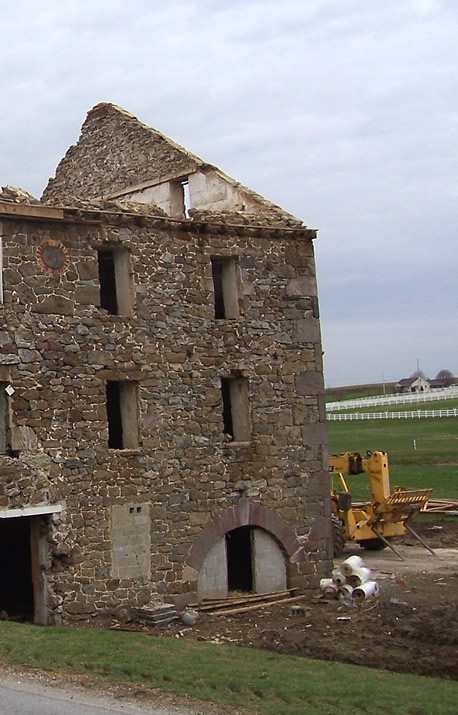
413, 384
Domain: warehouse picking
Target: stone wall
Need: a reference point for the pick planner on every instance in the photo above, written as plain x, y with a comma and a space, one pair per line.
119, 156
58, 349
114, 150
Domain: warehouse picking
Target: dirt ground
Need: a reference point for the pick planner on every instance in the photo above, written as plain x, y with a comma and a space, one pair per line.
411, 627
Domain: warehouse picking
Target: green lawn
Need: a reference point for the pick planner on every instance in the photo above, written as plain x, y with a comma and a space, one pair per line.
256, 681
434, 462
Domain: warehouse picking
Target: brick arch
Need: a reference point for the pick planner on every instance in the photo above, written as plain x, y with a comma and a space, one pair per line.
246, 513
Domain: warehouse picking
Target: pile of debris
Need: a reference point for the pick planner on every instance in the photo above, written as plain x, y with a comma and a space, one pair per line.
15, 195
273, 217
352, 580
110, 205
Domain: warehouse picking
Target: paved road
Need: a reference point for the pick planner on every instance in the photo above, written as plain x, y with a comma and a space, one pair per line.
19, 696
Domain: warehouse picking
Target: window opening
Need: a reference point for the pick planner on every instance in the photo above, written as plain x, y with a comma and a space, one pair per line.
236, 414
225, 287
107, 280
186, 198
179, 198
116, 289
227, 409
217, 273
240, 559
122, 419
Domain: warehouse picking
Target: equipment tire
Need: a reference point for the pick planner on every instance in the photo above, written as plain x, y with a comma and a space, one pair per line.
373, 544
338, 535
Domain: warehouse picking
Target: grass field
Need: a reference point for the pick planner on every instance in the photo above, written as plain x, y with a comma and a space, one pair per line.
431, 462
257, 681
356, 395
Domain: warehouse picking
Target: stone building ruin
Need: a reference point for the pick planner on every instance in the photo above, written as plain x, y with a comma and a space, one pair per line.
162, 425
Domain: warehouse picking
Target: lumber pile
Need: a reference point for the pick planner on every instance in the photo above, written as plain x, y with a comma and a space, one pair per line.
441, 506
244, 602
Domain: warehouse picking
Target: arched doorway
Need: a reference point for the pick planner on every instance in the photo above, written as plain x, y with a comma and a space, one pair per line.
246, 559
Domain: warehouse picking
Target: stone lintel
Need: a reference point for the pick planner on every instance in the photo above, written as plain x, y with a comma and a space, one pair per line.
31, 511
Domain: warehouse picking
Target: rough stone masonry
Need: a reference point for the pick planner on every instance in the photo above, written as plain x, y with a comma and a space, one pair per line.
161, 389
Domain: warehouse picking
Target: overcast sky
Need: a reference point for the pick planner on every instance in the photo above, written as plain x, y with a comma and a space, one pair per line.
344, 112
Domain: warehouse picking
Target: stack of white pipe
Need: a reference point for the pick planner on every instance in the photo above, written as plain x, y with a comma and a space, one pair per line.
351, 580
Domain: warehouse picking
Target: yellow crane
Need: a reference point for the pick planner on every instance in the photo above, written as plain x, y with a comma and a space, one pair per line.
374, 524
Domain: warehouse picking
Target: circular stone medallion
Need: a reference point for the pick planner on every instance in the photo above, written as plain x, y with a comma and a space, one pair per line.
53, 257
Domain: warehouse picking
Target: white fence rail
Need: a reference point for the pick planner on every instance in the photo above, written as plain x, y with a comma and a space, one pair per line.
414, 414
446, 393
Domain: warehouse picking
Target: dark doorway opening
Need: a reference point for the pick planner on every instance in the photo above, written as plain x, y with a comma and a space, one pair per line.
16, 587
239, 559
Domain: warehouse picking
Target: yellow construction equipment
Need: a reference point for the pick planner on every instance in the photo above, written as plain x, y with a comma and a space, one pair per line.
374, 524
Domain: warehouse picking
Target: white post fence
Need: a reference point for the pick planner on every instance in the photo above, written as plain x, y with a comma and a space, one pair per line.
446, 393
415, 414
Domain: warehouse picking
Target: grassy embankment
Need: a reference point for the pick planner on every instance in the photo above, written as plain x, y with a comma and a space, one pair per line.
422, 452
255, 681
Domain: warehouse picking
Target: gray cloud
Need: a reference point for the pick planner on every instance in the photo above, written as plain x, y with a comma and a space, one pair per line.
343, 113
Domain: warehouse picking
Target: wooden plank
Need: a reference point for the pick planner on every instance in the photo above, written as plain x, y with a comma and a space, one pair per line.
440, 506
206, 604
241, 599
30, 211
218, 606
260, 605
250, 595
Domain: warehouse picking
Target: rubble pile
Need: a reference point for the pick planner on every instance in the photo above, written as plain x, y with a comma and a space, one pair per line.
15, 195
109, 205
248, 218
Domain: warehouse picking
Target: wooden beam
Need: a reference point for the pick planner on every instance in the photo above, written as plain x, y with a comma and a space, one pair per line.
208, 604
30, 211
265, 604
